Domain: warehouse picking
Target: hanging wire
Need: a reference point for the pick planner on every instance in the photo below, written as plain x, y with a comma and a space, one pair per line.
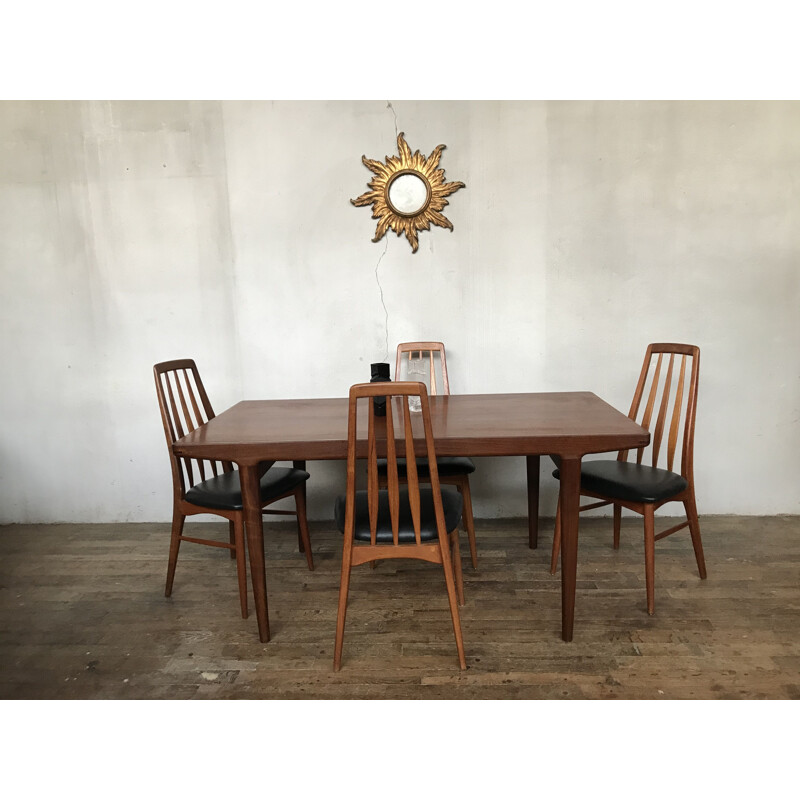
383, 302
385, 248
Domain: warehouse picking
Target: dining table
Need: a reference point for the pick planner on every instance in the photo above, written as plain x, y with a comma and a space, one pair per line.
254, 434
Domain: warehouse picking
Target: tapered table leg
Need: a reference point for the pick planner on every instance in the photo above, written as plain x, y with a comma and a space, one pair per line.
570, 470
301, 465
532, 469
250, 477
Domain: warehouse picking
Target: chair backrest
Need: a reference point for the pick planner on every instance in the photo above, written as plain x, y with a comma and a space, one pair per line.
184, 407
423, 354
665, 402
393, 434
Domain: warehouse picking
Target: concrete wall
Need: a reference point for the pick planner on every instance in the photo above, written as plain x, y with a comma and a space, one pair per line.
135, 232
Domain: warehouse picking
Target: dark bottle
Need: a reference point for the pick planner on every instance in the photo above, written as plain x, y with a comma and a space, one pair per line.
380, 374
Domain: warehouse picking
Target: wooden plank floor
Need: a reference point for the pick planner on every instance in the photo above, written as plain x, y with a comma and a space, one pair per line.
82, 615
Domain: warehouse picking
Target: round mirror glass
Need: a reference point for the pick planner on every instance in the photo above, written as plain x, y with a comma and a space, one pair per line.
408, 194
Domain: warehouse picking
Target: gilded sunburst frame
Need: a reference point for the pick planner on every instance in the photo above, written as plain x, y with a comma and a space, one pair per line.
408, 222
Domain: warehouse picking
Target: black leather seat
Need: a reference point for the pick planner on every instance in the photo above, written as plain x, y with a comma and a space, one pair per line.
451, 507
625, 480
224, 491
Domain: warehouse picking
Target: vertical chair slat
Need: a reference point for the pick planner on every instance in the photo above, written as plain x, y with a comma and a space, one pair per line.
436, 488
187, 417
651, 399
176, 418
163, 382
411, 471
209, 414
391, 472
443, 362
687, 460
662, 411
648, 411
350, 493
204, 397
187, 463
637, 398
372, 473
200, 418
193, 400
676, 416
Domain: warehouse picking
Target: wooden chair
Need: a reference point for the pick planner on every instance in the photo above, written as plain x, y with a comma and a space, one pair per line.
185, 406
395, 522
644, 487
453, 470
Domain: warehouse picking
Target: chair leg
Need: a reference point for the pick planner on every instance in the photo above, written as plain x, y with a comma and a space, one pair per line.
241, 561
344, 585
617, 524
556, 540
302, 526
383, 482
456, 557
650, 556
174, 545
447, 565
469, 520
232, 539
300, 543
694, 529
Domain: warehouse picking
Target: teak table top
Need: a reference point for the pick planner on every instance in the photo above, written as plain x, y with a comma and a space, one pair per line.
563, 423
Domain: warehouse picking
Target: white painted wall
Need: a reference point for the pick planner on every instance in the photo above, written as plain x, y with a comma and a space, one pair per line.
135, 232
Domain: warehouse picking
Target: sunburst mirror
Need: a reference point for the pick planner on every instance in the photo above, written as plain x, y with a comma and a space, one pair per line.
407, 193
